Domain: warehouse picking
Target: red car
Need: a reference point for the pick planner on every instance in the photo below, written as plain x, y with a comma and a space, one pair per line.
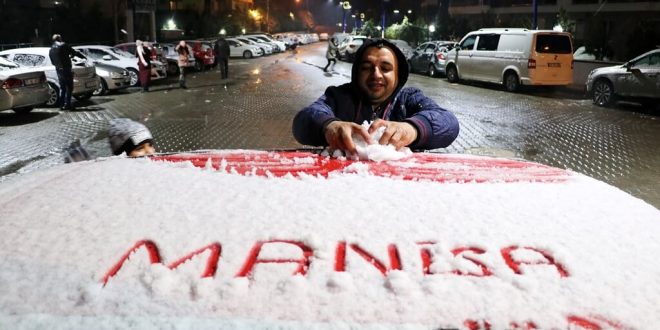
203, 52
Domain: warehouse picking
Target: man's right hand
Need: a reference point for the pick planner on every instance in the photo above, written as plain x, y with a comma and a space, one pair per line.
338, 134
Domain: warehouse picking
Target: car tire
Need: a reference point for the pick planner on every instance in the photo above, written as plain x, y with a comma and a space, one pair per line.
432, 72
603, 93
54, 95
135, 77
452, 74
247, 54
511, 82
83, 97
102, 89
23, 110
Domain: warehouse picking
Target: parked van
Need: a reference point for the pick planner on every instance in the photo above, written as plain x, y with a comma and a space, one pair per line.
513, 57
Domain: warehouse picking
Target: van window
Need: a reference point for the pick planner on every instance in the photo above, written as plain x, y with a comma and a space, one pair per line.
468, 43
488, 42
553, 43
513, 43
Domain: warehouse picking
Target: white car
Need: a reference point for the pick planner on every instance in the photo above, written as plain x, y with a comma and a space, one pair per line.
275, 48
21, 89
280, 44
117, 57
349, 46
85, 80
240, 49
265, 47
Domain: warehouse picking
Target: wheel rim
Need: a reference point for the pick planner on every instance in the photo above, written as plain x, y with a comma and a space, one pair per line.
134, 77
602, 93
431, 70
100, 90
52, 99
451, 74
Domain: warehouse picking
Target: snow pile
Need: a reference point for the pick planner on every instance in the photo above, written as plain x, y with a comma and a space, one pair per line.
211, 249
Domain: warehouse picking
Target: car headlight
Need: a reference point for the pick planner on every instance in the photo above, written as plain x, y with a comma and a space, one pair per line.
116, 75
103, 73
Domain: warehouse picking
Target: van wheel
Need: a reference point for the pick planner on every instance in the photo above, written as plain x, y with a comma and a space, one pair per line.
432, 72
452, 74
603, 93
511, 82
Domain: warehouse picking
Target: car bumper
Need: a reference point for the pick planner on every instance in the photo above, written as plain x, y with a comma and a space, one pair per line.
26, 96
85, 85
117, 83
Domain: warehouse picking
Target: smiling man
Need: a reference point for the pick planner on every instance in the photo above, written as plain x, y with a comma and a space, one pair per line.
376, 94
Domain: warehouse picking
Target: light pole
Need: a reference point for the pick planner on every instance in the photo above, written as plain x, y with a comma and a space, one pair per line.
431, 30
345, 6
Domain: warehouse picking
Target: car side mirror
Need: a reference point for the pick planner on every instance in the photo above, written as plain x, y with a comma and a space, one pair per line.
107, 57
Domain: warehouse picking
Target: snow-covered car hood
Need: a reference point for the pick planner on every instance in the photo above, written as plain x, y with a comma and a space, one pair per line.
243, 239
608, 70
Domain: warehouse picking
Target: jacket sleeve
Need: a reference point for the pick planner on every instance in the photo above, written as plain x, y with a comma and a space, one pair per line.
436, 126
309, 123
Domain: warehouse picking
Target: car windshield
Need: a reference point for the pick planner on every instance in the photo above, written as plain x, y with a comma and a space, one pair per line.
556, 44
120, 52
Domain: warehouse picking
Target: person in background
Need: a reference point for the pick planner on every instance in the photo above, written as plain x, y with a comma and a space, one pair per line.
131, 137
331, 54
221, 50
60, 55
144, 64
184, 52
376, 94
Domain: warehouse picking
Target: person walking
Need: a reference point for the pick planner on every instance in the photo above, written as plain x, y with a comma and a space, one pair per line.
221, 50
184, 52
331, 54
144, 64
60, 55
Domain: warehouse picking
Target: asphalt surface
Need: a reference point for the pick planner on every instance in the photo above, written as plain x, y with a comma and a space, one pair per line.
254, 109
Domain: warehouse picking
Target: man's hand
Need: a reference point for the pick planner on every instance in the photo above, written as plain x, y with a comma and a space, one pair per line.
338, 134
398, 134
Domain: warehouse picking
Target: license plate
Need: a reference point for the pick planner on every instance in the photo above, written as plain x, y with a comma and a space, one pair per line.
554, 65
33, 81
90, 84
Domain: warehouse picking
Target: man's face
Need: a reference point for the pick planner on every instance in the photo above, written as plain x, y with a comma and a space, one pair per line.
378, 74
143, 149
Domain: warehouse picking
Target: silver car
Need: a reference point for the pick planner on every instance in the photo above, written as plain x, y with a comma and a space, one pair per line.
111, 78
21, 89
430, 57
85, 80
636, 80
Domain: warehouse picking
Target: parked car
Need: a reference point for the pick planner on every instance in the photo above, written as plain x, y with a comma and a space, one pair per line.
280, 44
85, 80
430, 57
267, 49
112, 78
240, 49
637, 80
117, 57
171, 57
403, 46
155, 48
21, 89
203, 53
273, 46
289, 39
349, 46
513, 57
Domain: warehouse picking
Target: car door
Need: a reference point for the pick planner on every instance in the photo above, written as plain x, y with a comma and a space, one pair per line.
464, 56
484, 64
642, 78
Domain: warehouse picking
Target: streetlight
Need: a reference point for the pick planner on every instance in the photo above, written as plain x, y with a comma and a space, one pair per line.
345, 6
431, 30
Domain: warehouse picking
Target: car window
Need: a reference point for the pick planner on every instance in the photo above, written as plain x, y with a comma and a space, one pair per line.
98, 54
650, 60
6, 64
430, 48
468, 43
120, 52
553, 43
233, 43
29, 59
488, 41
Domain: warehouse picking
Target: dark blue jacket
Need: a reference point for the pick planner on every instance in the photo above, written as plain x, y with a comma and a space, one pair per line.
436, 127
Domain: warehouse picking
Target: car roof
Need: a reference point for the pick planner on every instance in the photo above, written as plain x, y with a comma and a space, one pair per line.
29, 50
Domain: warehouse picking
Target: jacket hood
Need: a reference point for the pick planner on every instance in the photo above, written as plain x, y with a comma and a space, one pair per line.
400, 58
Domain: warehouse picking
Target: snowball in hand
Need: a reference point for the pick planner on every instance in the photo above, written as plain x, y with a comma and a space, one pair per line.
377, 152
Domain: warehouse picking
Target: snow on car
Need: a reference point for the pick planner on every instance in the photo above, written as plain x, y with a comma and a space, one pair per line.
257, 239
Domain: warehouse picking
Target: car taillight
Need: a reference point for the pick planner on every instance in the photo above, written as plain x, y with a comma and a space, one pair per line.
441, 56
531, 64
12, 83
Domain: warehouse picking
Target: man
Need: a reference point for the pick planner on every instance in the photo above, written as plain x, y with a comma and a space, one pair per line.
60, 55
131, 137
221, 50
376, 94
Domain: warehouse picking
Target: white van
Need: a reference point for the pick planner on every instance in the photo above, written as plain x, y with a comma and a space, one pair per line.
513, 57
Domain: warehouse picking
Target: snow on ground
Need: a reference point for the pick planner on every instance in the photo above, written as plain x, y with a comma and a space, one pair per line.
350, 250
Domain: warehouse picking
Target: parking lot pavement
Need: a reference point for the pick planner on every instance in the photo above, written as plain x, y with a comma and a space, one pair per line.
254, 109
